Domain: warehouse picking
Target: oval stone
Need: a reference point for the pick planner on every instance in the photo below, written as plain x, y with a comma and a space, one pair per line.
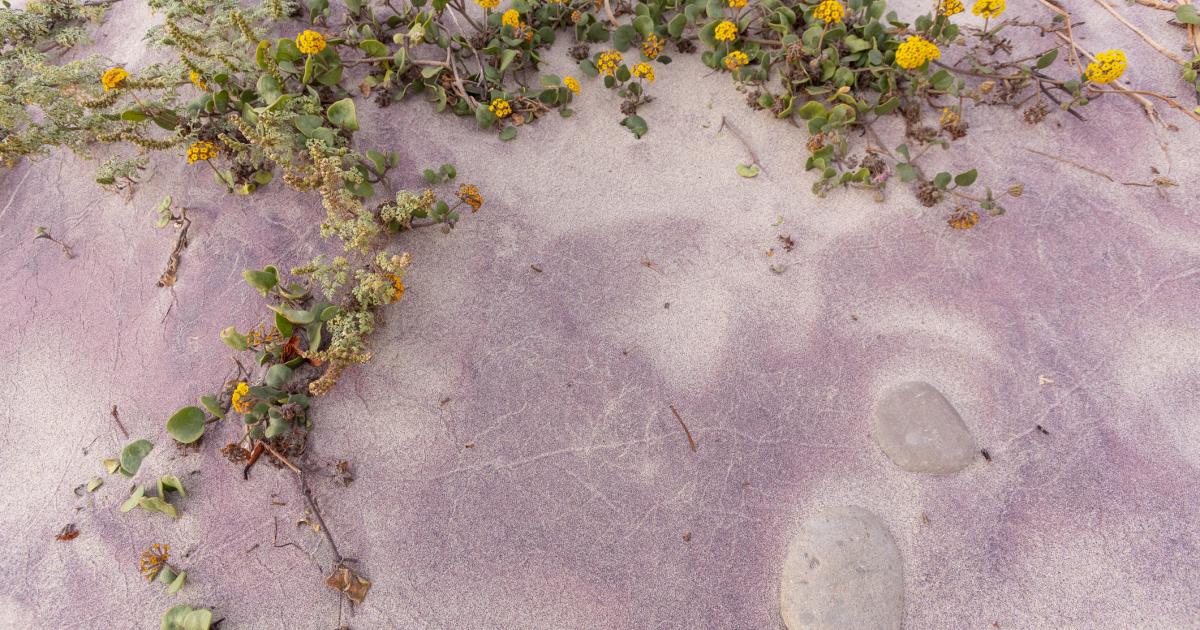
843, 572
920, 431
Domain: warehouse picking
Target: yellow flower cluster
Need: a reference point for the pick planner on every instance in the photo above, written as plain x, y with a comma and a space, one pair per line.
469, 194
963, 219
737, 4
239, 405
735, 60
572, 84
652, 46
202, 150
153, 560
511, 18
726, 31
949, 117
915, 52
988, 8
113, 77
950, 7
488, 4
829, 11
500, 108
643, 71
259, 337
197, 80
310, 42
608, 63
397, 286
1108, 67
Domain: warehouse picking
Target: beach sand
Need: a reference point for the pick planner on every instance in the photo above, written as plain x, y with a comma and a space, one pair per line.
517, 461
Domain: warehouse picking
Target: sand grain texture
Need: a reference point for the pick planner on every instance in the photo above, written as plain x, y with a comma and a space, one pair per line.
571, 508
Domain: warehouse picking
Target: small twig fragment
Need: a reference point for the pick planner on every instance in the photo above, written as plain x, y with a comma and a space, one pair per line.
691, 442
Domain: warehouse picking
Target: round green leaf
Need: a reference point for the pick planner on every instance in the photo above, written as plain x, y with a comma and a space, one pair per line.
342, 114
636, 125
278, 375
966, 179
132, 456
187, 425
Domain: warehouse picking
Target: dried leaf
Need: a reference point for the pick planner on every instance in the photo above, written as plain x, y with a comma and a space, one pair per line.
68, 532
345, 581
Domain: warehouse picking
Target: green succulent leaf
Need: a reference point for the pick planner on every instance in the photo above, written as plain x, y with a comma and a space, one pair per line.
177, 583
170, 483
187, 425
184, 617
210, 404
1187, 13
1046, 59
966, 179
343, 115
234, 339
262, 280
134, 498
158, 504
132, 456
636, 125
278, 375
747, 170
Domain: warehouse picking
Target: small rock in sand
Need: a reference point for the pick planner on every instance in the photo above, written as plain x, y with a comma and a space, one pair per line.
920, 431
843, 572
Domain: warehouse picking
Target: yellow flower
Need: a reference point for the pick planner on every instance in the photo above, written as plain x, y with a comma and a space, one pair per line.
949, 117
1108, 67
511, 18
572, 84
950, 7
201, 150
239, 405
608, 62
469, 194
153, 560
488, 4
197, 81
726, 31
398, 286
310, 42
113, 78
915, 52
643, 71
500, 108
652, 46
963, 219
735, 60
988, 8
737, 4
576, 16
829, 11
259, 337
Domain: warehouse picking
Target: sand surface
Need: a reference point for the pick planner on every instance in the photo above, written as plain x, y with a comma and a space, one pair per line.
579, 504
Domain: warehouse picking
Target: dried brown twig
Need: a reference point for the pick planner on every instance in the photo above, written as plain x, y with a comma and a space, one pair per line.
691, 442
168, 277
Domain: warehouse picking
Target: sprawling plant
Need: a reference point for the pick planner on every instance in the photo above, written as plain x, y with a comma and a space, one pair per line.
830, 68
